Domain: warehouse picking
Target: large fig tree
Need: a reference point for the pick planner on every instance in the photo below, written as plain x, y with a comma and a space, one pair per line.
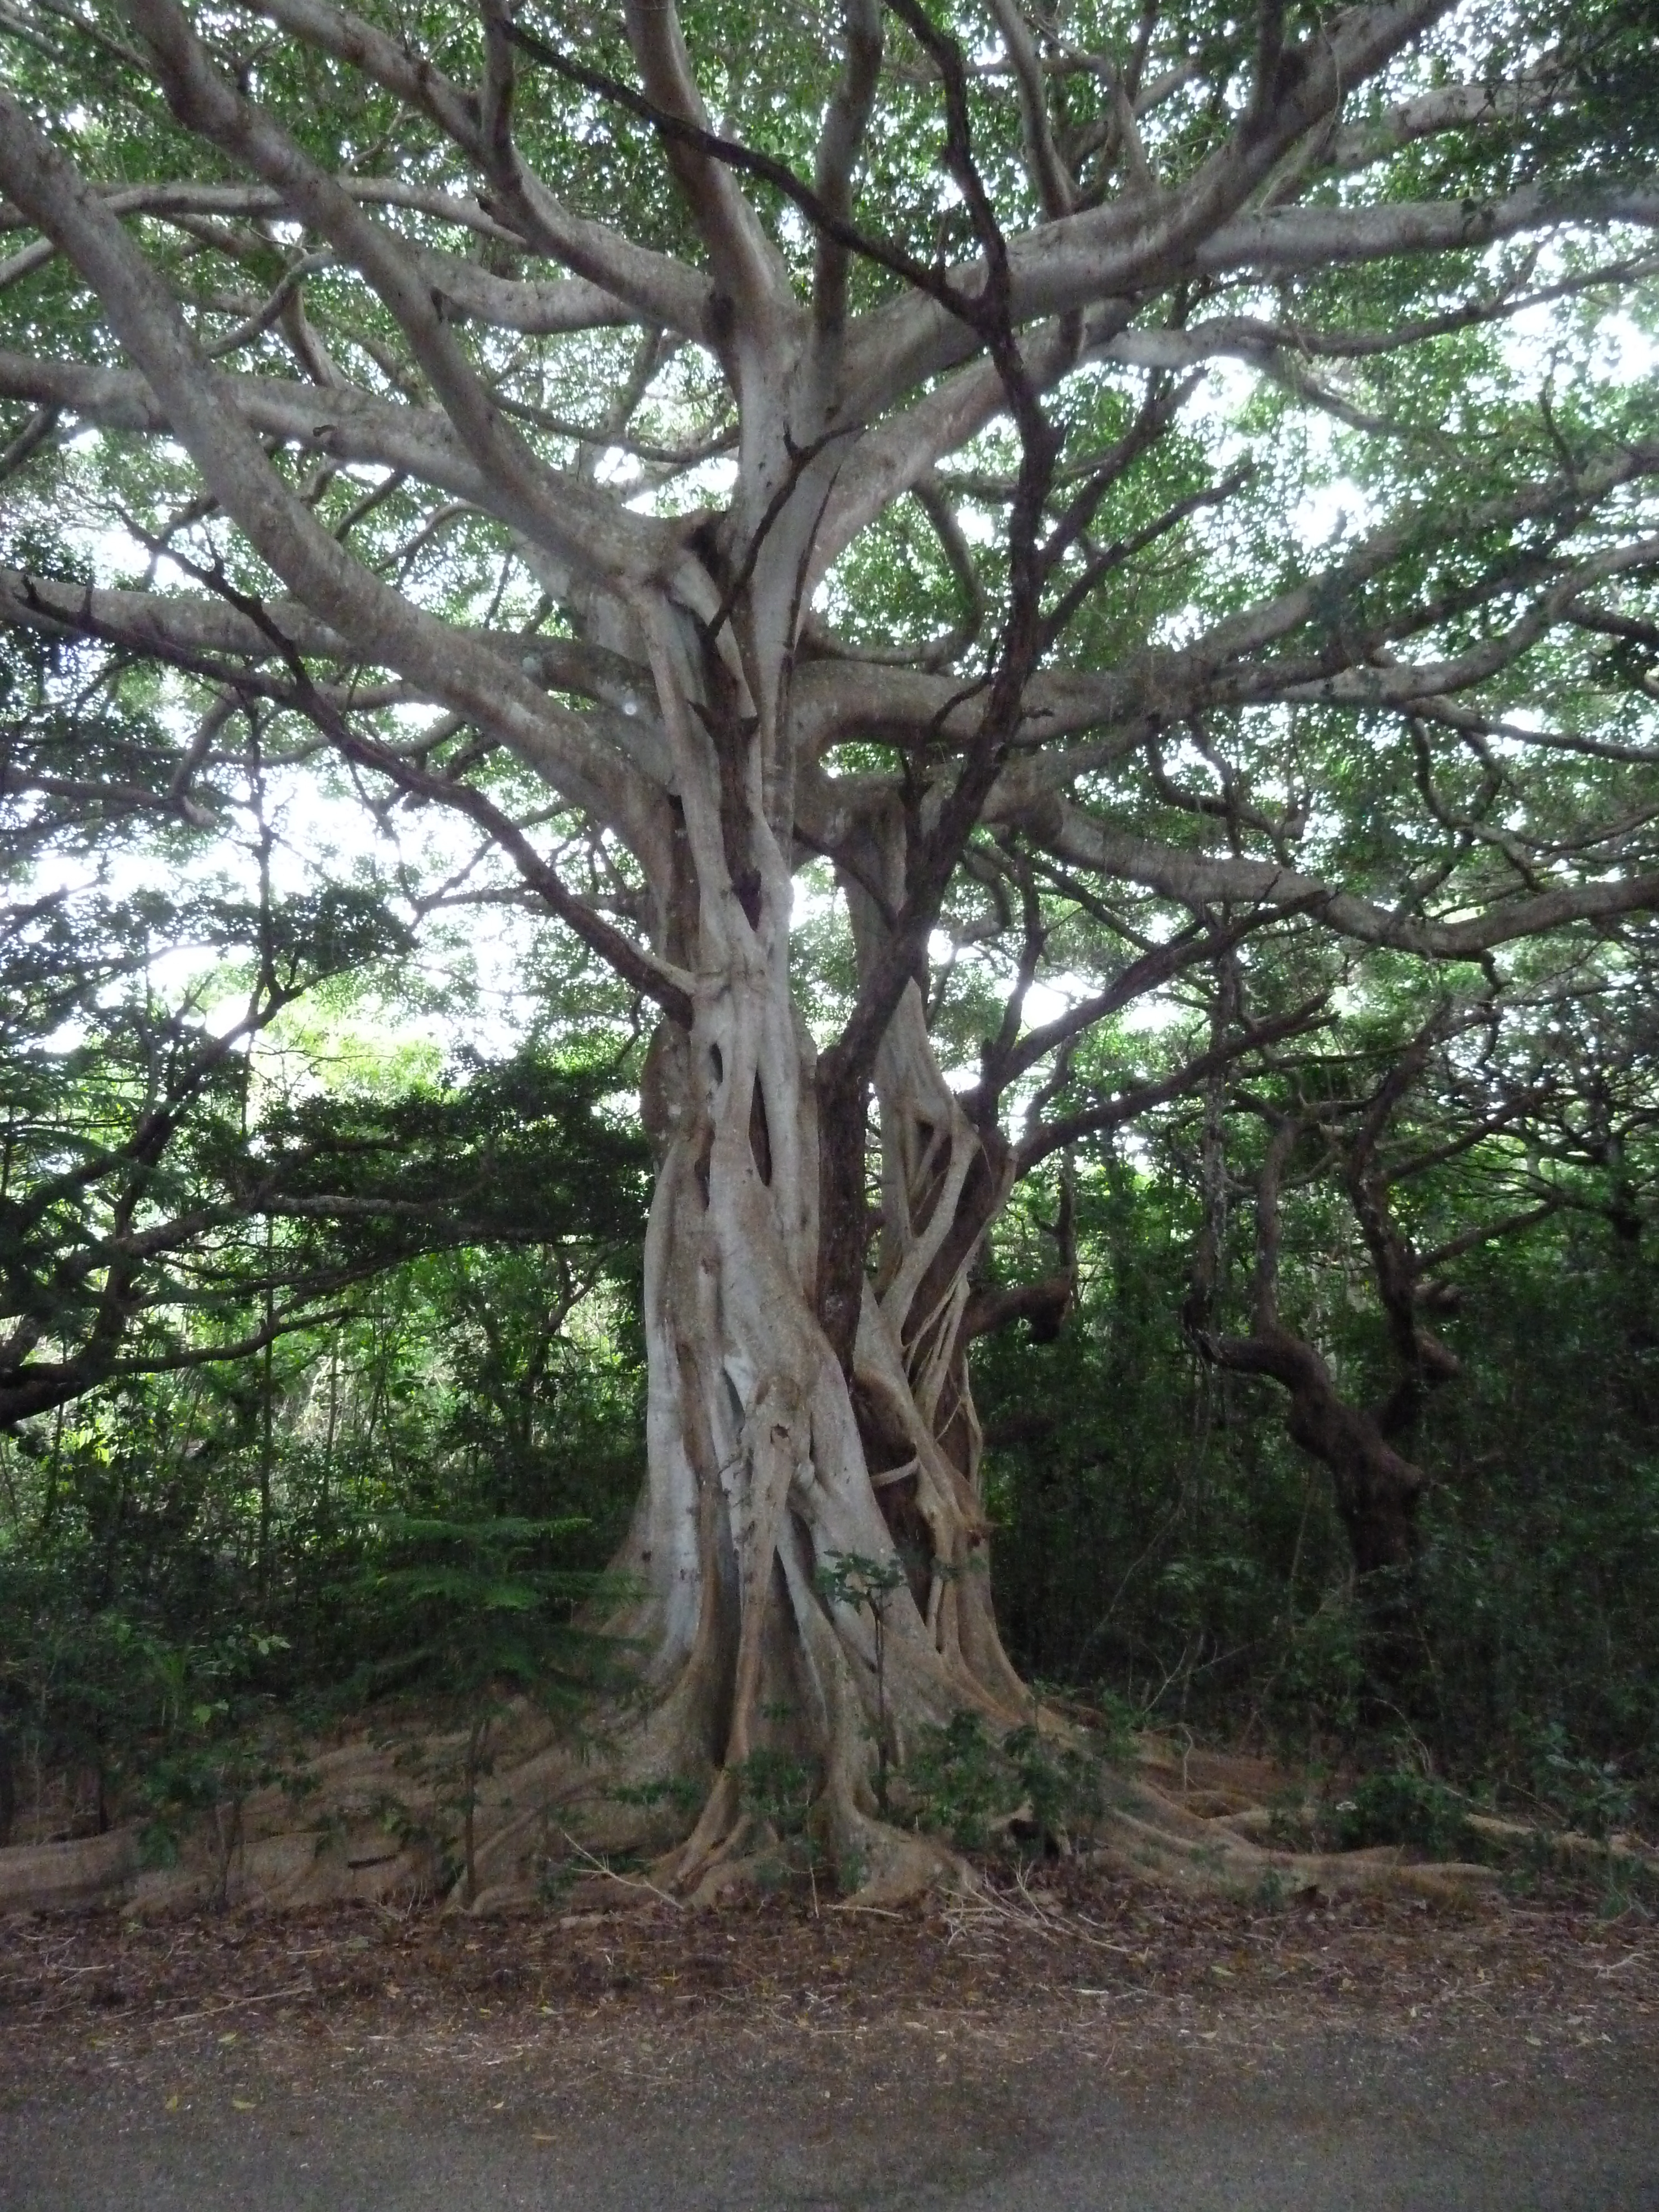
1088, 486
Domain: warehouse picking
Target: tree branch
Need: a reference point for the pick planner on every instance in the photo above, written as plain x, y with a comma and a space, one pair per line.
381, 624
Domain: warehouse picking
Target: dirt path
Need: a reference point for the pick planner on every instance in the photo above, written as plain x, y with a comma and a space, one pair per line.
1094, 2050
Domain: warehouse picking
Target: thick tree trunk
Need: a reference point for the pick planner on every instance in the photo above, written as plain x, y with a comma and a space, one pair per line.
1376, 1491
768, 1465
1376, 1488
770, 1461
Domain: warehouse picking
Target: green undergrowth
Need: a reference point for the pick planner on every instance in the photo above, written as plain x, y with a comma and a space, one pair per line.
1017, 1793
1571, 1837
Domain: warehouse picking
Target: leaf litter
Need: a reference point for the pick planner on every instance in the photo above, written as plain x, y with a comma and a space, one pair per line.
1020, 1955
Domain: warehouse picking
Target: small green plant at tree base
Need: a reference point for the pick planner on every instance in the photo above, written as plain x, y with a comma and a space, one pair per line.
1063, 1786
682, 1793
1582, 1798
1115, 1723
960, 1780
1589, 1795
1403, 1805
212, 1775
778, 1788
493, 1622
955, 1781
867, 1585
212, 1742
555, 1877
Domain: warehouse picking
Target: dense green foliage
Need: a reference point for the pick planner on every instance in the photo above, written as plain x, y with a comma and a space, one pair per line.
1162, 1541
404, 1493
494, 585
448, 1470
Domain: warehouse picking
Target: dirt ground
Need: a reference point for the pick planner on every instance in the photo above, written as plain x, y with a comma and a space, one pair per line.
1077, 2041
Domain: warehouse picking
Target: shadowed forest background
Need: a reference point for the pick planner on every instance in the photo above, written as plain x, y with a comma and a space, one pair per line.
397, 1505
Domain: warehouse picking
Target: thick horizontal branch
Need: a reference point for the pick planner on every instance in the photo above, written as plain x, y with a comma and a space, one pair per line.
656, 289
204, 634
341, 422
40, 1386
1197, 880
1055, 273
1447, 108
1141, 240
543, 306
1323, 238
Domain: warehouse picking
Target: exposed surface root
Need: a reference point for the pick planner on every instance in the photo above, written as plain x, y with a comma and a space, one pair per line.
377, 1822
1174, 1829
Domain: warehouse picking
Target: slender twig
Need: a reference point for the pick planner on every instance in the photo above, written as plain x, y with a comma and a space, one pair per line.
628, 1880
